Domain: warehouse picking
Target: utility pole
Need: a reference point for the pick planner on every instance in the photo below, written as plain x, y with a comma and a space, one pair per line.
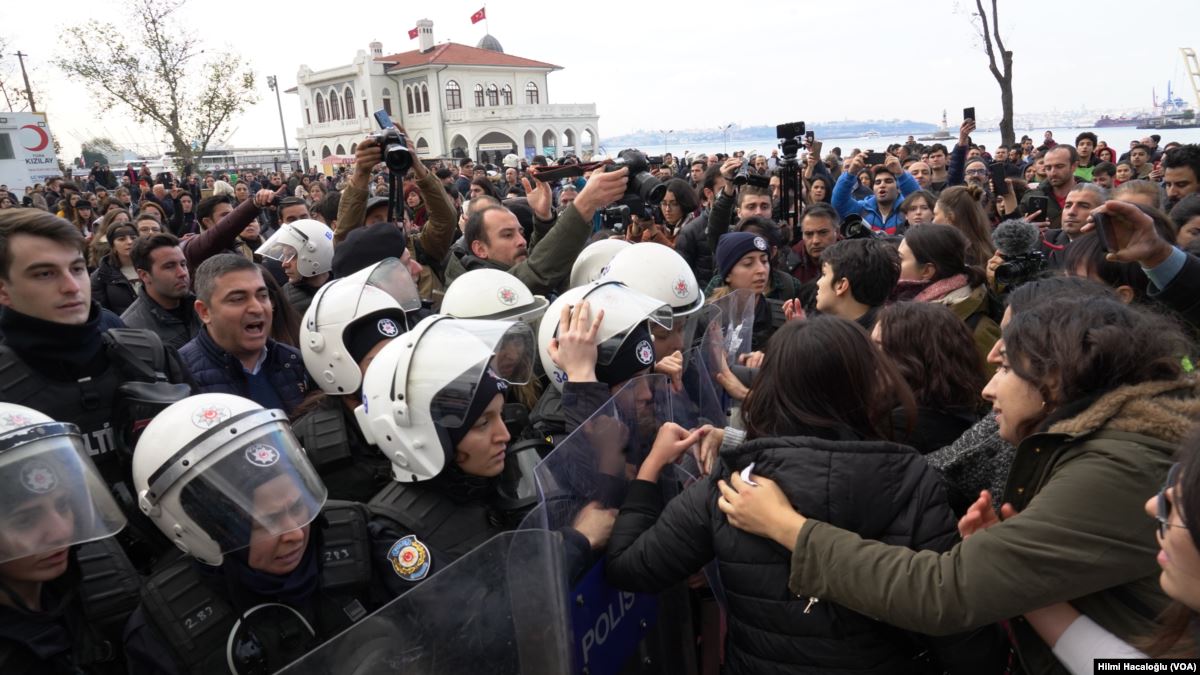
28, 90
274, 85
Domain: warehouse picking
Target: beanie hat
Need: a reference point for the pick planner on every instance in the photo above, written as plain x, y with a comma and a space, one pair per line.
362, 334
489, 386
635, 355
366, 246
732, 246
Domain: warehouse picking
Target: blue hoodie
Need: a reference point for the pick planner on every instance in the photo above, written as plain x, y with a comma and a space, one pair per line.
846, 204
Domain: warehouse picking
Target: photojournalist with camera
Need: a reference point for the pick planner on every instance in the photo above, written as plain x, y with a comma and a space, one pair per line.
429, 246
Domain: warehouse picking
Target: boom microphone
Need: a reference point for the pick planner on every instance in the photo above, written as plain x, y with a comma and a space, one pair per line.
1016, 237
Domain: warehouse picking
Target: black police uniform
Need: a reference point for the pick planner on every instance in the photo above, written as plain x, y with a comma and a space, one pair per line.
78, 629
349, 467
189, 611
75, 374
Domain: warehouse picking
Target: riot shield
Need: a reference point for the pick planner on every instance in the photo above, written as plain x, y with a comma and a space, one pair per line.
592, 469
499, 609
732, 324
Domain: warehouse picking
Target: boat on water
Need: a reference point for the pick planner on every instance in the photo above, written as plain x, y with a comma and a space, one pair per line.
1122, 121
872, 134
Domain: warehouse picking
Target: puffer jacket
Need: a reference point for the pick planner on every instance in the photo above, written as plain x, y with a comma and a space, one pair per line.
1080, 485
217, 371
692, 244
111, 289
881, 490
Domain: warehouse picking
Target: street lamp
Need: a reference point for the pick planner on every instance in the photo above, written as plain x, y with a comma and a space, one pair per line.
665, 134
725, 132
274, 85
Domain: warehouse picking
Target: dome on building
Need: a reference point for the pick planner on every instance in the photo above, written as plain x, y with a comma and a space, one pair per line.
490, 43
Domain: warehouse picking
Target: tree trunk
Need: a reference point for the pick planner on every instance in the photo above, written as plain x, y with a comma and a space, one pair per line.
1007, 135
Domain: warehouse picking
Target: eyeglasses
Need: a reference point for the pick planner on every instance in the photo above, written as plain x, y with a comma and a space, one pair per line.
977, 172
1164, 503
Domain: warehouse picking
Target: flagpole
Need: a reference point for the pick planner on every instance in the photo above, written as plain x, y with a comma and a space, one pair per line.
486, 26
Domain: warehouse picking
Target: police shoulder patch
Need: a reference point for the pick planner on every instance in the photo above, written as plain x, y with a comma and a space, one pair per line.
410, 558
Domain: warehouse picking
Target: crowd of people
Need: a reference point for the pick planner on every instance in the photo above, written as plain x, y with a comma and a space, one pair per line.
240, 411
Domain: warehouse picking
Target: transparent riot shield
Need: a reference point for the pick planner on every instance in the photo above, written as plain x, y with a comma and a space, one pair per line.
732, 323
502, 608
592, 468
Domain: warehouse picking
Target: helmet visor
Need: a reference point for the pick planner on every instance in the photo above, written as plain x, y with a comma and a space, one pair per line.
613, 297
241, 487
51, 495
283, 245
392, 277
502, 350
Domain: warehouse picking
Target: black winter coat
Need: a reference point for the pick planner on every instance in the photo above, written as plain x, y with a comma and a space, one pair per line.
881, 490
111, 289
692, 244
217, 371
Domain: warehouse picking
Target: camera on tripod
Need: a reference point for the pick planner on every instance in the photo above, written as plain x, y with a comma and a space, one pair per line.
396, 155
791, 137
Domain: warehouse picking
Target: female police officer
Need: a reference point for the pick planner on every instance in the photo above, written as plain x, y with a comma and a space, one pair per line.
432, 403
271, 568
61, 610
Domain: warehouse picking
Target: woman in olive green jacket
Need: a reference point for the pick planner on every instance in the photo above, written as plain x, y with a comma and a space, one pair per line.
1092, 394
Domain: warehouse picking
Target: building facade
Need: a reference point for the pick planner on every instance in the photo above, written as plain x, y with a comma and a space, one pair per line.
453, 100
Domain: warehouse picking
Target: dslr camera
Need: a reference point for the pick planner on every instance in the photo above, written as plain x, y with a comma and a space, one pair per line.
616, 218
642, 183
396, 156
854, 227
1017, 269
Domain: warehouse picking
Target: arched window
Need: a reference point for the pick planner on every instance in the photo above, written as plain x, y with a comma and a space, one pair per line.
335, 106
348, 96
325, 151
506, 95
424, 98
340, 149
408, 99
493, 95
353, 148
387, 101
320, 103
307, 116
531, 94
453, 96
479, 96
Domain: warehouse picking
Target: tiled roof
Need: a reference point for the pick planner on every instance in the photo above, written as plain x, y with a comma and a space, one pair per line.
454, 54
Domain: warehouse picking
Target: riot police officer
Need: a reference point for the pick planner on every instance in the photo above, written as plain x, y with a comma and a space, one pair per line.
346, 325
66, 588
305, 250
62, 357
271, 568
433, 402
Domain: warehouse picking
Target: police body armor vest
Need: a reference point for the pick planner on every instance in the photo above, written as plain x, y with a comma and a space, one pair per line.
195, 621
324, 436
135, 355
108, 592
449, 527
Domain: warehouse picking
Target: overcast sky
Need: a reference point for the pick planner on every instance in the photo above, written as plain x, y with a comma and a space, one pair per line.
650, 65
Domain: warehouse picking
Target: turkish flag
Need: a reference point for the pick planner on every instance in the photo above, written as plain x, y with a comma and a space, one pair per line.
412, 34
479, 16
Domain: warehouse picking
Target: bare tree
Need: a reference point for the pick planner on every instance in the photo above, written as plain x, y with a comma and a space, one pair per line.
157, 74
993, 44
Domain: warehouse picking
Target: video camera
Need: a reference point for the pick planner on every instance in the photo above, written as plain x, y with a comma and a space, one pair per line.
854, 227
791, 137
1017, 269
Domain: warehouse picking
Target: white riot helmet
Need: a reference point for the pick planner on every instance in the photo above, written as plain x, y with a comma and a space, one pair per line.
624, 344
591, 261
492, 294
44, 467
427, 388
308, 240
212, 467
659, 272
338, 323
511, 161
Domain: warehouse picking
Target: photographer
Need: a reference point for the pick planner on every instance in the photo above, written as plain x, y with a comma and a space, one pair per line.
751, 201
221, 225
432, 243
890, 185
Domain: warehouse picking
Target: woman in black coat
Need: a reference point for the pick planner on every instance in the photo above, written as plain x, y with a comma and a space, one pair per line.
115, 283
817, 420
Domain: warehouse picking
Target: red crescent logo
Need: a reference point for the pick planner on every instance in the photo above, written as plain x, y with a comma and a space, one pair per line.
40, 132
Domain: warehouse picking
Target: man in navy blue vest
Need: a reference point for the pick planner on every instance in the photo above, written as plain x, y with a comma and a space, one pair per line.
235, 353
